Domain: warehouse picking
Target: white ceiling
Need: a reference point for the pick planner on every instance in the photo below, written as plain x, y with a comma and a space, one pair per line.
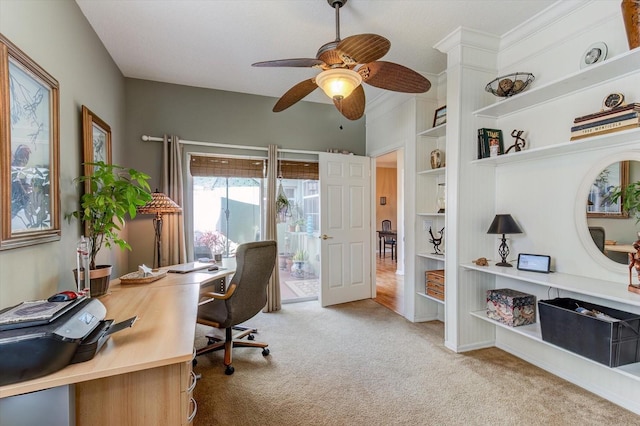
212, 43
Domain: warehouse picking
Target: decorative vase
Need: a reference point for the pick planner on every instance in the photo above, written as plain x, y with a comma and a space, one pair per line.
436, 159
441, 200
631, 18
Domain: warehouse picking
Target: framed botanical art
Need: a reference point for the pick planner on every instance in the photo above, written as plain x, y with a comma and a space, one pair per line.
600, 203
96, 141
29, 151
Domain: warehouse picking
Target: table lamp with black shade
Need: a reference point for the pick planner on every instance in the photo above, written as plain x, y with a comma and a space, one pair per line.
504, 224
160, 204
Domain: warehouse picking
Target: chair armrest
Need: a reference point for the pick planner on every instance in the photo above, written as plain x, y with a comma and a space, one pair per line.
211, 296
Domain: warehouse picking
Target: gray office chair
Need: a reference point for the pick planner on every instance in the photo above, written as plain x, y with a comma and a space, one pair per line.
388, 241
597, 234
244, 297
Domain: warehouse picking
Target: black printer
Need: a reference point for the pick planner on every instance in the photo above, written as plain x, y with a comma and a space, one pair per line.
33, 346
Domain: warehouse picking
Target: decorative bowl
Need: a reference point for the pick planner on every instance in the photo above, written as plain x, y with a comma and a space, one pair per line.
510, 84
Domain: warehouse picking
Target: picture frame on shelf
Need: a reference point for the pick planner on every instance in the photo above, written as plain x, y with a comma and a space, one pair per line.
440, 116
96, 141
599, 203
29, 151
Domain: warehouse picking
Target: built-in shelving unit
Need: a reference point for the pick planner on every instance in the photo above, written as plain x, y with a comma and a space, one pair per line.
620, 66
532, 331
617, 67
438, 257
428, 182
610, 140
435, 132
426, 296
606, 290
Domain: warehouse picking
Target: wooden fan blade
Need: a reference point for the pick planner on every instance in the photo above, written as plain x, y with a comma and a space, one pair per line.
295, 62
394, 77
363, 48
352, 107
295, 94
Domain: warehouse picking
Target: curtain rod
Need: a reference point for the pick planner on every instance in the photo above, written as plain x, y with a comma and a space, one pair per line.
147, 138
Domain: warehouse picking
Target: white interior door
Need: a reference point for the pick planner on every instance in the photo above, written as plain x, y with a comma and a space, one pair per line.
345, 228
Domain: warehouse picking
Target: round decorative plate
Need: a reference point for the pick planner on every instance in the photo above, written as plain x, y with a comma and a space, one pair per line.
597, 52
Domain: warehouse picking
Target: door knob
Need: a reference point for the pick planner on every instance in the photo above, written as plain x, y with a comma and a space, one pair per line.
324, 237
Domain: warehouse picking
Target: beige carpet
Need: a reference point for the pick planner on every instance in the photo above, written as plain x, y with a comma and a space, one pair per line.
361, 364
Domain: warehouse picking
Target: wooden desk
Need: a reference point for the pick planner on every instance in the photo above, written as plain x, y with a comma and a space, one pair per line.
142, 375
621, 248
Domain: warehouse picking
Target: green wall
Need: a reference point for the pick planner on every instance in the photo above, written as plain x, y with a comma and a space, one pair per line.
56, 35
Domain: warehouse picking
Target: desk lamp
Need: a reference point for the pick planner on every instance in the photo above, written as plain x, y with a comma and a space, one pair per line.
504, 224
159, 204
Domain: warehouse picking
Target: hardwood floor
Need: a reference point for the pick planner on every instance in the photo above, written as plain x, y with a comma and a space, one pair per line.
389, 285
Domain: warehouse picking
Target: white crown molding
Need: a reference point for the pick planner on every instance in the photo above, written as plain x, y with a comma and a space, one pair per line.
542, 20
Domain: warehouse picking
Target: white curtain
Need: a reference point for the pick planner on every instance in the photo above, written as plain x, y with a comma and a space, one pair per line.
173, 238
274, 302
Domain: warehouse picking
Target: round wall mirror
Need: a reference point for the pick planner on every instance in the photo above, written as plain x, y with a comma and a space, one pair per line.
608, 231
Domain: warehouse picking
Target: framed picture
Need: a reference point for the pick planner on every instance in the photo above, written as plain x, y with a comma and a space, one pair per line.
29, 151
96, 141
440, 116
599, 203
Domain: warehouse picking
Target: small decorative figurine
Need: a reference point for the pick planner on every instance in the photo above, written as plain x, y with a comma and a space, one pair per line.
519, 143
634, 263
436, 241
481, 261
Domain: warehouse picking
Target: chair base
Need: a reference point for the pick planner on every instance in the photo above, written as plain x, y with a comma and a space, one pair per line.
231, 341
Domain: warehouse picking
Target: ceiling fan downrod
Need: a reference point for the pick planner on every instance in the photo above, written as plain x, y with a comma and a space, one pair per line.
337, 4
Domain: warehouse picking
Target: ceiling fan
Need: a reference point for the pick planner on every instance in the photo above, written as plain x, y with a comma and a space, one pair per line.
345, 64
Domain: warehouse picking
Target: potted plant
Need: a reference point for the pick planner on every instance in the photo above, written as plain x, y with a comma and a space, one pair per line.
299, 259
631, 199
114, 193
282, 206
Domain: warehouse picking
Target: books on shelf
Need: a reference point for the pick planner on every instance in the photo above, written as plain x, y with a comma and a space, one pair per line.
610, 113
490, 143
617, 119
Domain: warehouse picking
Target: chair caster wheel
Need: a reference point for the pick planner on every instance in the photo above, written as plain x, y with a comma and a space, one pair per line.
265, 352
251, 337
229, 370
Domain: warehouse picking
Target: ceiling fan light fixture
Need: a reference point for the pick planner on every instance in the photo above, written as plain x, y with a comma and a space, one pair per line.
338, 83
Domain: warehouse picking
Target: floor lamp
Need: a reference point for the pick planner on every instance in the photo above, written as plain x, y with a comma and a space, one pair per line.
159, 205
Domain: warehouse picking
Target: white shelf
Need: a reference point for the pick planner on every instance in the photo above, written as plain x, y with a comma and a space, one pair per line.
532, 331
435, 132
617, 67
438, 171
617, 139
432, 256
430, 214
426, 296
606, 290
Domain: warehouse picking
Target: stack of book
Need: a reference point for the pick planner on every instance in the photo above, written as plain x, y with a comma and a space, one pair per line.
621, 118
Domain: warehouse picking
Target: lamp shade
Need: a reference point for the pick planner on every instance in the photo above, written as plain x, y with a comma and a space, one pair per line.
160, 203
504, 224
338, 83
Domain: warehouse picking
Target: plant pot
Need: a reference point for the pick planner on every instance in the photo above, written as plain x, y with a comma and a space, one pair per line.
631, 18
297, 270
98, 278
